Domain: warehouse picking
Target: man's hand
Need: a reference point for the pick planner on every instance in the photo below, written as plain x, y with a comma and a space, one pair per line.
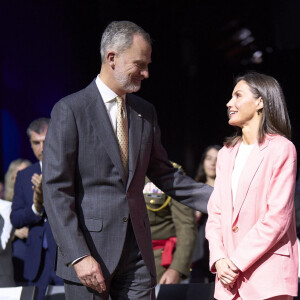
198, 215
90, 273
37, 192
170, 277
22, 233
227, 272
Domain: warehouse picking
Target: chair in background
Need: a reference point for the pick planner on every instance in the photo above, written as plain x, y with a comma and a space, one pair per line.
55, 292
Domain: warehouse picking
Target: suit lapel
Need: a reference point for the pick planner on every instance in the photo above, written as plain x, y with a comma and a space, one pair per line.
37, 168
135, 128
100, 121
254, 161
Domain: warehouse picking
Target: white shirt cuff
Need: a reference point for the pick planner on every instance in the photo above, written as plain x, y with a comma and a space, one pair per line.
77, 259
36, 212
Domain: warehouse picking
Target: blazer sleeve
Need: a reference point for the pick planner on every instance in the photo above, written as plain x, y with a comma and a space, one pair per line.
22, 213
270, 229
180, 187
213, 229
185, 225
59, 167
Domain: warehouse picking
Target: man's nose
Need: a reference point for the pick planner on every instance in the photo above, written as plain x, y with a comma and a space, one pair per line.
145, 73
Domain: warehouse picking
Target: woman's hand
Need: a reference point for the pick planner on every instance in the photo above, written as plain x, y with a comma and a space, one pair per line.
227, 272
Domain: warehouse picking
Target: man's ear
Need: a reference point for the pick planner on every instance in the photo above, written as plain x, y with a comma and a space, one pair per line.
110, 58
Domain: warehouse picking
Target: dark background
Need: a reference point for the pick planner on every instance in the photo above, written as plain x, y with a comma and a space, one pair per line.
50, 49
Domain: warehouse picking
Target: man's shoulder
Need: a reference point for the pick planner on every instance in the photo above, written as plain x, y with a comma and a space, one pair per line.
29, 171
79, 98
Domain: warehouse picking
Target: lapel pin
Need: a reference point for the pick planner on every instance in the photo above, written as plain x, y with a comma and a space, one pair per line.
140, 115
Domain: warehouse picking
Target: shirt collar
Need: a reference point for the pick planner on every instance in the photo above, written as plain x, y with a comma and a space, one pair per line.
106, 93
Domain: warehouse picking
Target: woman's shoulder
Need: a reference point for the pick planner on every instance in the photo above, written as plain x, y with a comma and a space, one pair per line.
225, 150
281, 146
277, 140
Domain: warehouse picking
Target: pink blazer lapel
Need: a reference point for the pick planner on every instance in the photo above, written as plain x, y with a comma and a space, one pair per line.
254, 161
227, 181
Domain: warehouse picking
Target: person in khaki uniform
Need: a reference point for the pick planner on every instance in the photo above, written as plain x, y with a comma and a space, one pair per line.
173, 230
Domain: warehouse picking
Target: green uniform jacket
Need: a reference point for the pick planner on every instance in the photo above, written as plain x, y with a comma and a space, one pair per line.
174, 219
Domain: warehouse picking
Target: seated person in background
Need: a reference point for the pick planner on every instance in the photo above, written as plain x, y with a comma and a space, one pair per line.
206, 173
6, 232
173, 230
1, 190
20, 235
28, 210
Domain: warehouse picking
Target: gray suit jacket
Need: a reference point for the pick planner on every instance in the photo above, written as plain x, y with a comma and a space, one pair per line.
87, 198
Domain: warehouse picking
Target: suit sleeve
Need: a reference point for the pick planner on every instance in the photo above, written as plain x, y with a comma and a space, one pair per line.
213, 230
180, 187
270, 229
22, 213
185, 225
59, 167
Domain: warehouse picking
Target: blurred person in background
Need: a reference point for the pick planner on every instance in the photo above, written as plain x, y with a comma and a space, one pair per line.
2, 190
6, 232
206, 173
28, 210
173, 232
20, 235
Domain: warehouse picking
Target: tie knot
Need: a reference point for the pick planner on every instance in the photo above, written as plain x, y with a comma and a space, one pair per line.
120, 100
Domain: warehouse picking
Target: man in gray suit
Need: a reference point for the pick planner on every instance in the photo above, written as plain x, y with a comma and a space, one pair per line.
97, 153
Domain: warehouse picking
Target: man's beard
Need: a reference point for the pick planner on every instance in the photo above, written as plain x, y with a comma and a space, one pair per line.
126, 83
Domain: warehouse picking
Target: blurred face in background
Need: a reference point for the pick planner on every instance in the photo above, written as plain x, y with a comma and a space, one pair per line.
210, 162
19, 168
37, 143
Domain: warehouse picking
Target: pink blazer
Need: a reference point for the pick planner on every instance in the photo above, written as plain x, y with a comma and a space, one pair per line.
259, 233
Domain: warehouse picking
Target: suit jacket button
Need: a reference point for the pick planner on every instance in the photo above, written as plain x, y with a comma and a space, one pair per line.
235, 229
125, 219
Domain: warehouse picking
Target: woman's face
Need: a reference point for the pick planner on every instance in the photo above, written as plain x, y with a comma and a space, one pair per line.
243, 106
210, 162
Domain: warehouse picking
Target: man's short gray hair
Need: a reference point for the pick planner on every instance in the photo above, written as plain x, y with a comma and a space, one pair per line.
118, 35
38, 126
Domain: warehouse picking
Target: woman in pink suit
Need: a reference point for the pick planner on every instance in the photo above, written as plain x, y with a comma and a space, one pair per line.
251, 224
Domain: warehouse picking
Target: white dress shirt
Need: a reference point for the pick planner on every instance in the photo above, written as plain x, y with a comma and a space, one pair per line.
108, 97
240, 161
